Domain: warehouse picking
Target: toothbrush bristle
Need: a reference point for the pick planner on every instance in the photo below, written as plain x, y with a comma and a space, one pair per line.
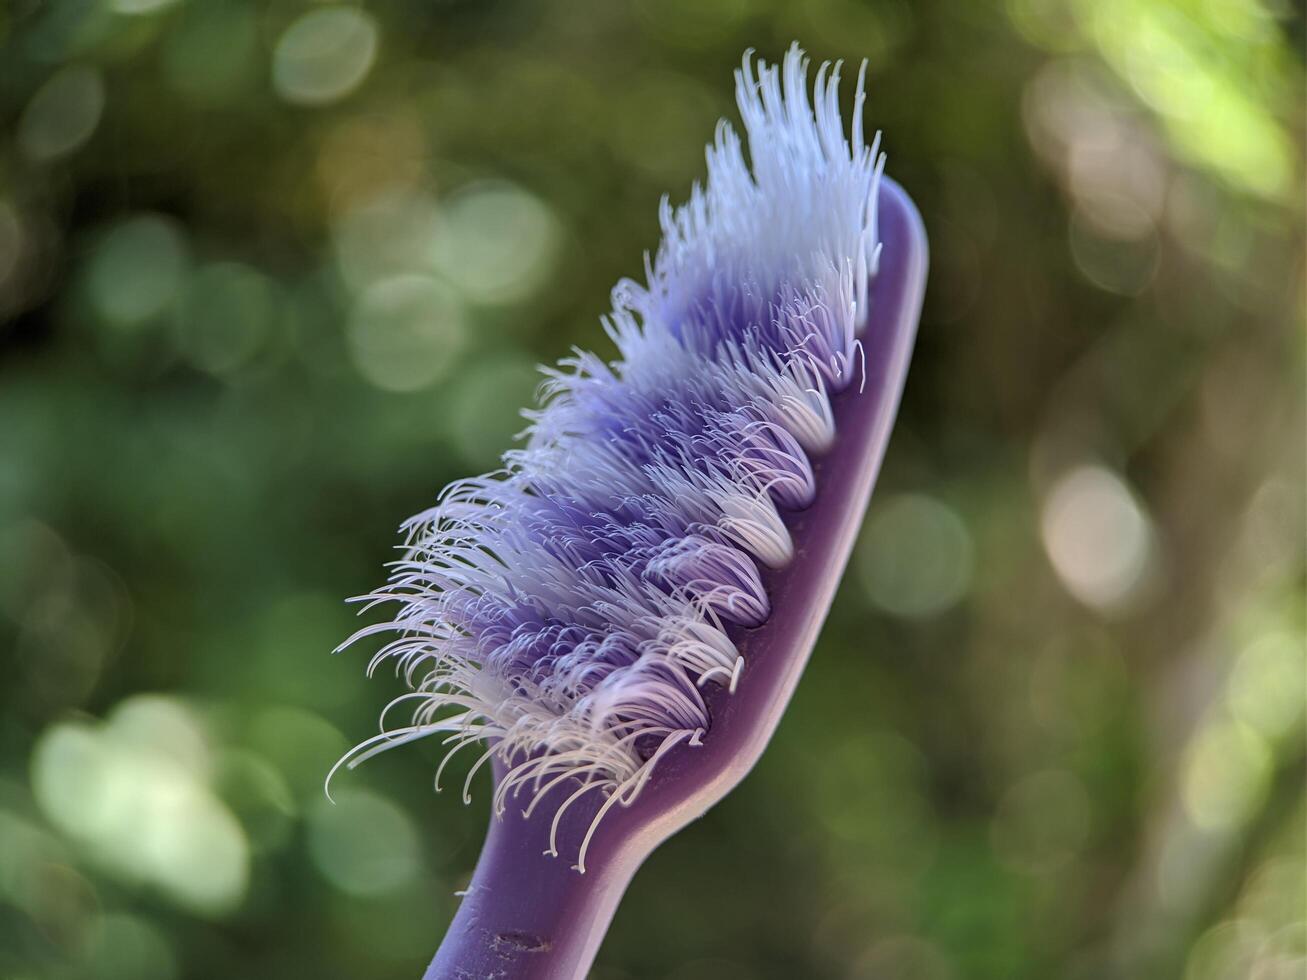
567, 612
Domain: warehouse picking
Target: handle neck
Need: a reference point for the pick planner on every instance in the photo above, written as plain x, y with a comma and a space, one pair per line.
529, 916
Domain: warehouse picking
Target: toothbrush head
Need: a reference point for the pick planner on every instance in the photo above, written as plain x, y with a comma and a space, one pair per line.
691, 778
617, 619
696, 773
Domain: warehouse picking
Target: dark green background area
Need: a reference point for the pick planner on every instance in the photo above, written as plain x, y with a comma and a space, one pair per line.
271, 274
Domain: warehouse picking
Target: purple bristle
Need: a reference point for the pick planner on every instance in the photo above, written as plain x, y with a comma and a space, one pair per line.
569, 610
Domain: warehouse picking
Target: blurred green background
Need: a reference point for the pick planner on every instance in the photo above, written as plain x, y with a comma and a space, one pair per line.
272, 273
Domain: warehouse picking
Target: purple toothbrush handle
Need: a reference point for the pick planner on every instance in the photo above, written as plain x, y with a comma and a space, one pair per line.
531, 917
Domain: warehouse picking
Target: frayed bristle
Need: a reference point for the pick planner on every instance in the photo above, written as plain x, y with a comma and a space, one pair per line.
568, 612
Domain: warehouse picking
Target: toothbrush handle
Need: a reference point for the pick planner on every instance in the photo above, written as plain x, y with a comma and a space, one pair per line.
526, 916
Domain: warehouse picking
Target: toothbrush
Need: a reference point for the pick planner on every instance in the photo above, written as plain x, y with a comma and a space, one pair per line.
617, 619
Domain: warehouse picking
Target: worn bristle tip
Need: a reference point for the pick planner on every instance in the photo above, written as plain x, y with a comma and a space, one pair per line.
567, 612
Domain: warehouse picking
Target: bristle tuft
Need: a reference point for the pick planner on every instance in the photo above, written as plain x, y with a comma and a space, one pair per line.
569, 611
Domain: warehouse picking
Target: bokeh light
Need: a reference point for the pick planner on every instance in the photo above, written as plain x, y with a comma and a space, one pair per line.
495, 242
487, 407
363, 843
1166, 58
136, 270
63, 114
133, 793
406, 332
324, 55
1097, 536
301, 744
1267, 684
387, 234
915, 556
1227, 775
